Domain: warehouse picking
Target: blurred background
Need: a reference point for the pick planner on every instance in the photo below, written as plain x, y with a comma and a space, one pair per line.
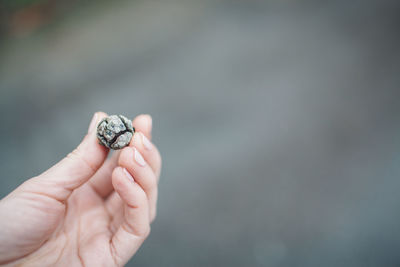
278, 121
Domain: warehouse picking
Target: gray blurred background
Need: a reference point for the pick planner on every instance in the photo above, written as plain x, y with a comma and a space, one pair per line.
278, 121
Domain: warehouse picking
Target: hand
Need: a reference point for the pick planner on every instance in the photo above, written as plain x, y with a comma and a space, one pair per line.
86, 210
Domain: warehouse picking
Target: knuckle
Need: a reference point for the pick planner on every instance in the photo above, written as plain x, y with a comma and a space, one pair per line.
78, 156
75, 154
146, 231
142, 197
142, 231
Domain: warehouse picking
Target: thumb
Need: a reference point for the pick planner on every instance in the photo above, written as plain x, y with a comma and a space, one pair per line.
75, 169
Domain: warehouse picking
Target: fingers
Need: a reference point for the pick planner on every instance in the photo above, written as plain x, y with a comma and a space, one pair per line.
135, 226
149, 152
135, 183
101, 181
133, 161
75, 169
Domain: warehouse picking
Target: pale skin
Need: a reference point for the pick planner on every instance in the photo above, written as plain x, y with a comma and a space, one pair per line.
87, 210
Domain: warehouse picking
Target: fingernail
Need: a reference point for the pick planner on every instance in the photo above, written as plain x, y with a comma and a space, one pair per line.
138, 157
128, 175
92, 124
146, 142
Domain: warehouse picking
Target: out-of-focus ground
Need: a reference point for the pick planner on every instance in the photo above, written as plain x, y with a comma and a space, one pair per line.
278, 122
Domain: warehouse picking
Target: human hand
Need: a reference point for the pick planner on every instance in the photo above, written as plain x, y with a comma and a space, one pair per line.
86, 210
